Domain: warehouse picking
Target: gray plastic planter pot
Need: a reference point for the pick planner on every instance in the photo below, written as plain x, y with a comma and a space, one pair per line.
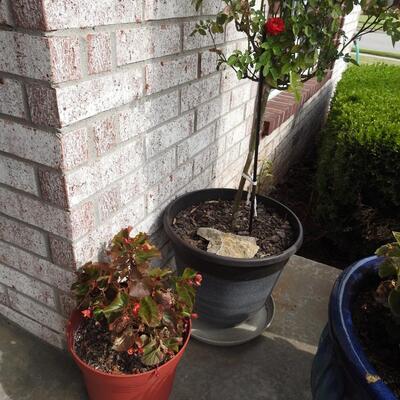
233, 289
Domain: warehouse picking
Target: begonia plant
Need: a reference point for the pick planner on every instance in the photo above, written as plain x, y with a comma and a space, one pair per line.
145, 310
288, 43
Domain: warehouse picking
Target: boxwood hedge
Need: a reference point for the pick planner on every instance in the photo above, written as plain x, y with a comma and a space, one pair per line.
359, 157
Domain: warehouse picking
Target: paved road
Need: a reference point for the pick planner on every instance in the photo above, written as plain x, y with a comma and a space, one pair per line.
379, 41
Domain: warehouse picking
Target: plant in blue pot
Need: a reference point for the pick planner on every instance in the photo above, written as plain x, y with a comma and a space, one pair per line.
359, 352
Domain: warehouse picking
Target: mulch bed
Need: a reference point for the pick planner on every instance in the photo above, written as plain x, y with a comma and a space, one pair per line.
370, 230
273, 231
379, 336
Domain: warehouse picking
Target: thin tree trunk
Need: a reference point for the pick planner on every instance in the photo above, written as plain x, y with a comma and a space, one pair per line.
261, 104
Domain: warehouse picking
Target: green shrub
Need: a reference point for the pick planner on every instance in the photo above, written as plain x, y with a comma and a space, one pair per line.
359, 158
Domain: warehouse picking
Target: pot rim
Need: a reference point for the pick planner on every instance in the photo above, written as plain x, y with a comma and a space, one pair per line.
232, 261
342, 329
75, 317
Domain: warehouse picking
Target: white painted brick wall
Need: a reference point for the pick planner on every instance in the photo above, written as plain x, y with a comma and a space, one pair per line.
169, 134
36, 311
18, 175
163, 9
11, 98
153, 112
165, 74
98, 95
31, 144
5, 13
194, 144
199, 92
36, 267
25, 284
56, 59
144, 42
99, 52
25, 236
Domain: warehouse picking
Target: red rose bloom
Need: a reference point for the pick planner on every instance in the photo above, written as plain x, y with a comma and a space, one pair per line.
274, 26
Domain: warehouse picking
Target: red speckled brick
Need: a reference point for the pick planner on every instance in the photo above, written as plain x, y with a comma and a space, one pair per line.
62, 14
36, 311
99, 52
29, 14
105, 134
71, 225
64, 59
28, 285
67, 304
82, 220
11, 98
32, 144
36, 267
108, 203
3, 295
62, 252
5, 17
43, 105
23, 235
53, 188
74, 148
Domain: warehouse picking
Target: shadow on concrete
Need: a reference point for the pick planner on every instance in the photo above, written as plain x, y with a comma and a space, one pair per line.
264, 369
30, 369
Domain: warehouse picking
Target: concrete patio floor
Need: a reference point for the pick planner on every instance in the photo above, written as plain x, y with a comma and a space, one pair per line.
275, 366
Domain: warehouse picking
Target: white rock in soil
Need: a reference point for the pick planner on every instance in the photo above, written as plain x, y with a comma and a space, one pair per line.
228, 244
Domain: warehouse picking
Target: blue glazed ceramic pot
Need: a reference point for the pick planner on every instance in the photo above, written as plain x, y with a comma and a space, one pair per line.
341, 368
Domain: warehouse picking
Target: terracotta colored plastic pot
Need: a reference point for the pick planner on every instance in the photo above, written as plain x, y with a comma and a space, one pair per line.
153, 385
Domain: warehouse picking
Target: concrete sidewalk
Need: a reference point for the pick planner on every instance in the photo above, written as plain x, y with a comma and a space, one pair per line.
275, 366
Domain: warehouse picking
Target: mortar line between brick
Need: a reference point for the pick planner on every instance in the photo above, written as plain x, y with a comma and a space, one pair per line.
38, 303
142, 100
95, 195
12, 289
28, 124
11, 321
143, 136
130, 66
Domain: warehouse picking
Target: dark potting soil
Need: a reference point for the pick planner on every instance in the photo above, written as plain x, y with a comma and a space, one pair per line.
273, 232
379, 335
92, 344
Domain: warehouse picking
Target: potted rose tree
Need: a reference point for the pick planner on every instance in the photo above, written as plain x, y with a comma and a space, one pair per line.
132, 322
359, 352
288, 43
